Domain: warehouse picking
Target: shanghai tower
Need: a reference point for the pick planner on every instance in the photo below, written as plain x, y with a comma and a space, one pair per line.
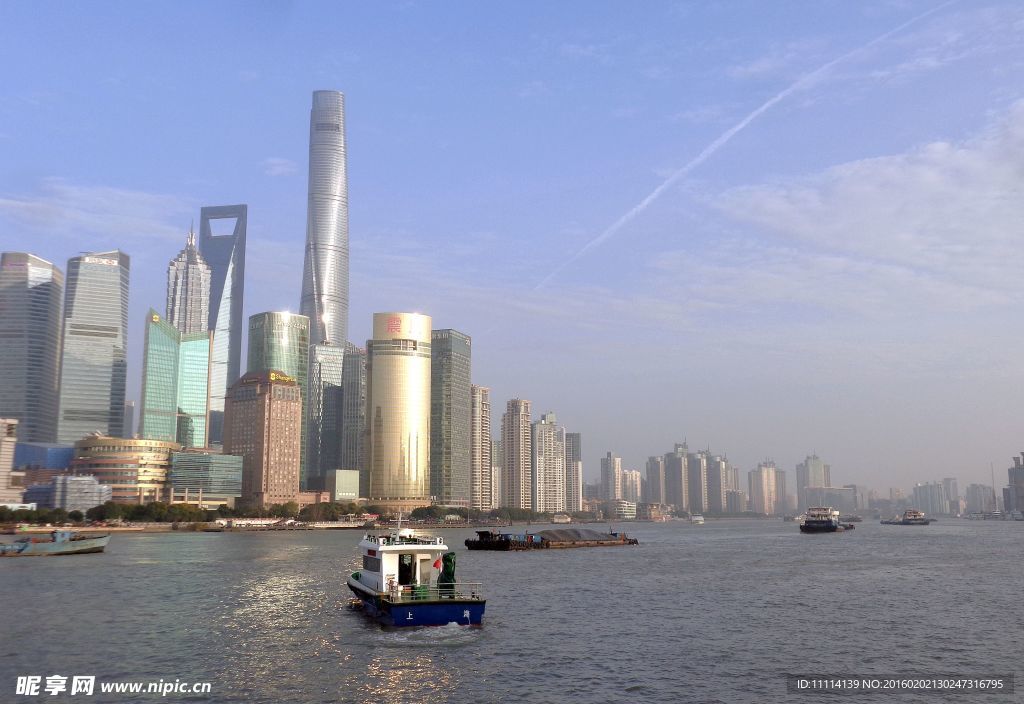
325, 274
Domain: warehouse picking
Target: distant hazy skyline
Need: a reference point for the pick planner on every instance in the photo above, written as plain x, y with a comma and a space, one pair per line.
840, 275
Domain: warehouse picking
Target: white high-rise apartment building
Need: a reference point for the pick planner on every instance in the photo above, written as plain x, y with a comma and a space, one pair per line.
631, 485
762, 489
548, 465
480, 482
611, 477
516, 448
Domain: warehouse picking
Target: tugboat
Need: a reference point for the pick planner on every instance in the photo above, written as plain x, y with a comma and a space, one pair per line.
397, 584
823, 519
60, 542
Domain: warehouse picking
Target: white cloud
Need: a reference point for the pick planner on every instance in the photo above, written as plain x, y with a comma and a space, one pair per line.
946, 216
62, 209
277, 166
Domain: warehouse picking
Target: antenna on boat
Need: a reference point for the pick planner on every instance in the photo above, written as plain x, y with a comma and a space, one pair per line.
398, 529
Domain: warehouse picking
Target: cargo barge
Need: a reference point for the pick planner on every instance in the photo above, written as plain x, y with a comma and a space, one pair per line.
547, 540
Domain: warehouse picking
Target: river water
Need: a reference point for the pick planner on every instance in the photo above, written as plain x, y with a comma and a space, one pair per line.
712, 613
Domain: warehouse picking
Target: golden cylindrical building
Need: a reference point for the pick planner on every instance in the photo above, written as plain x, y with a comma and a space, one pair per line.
398, 410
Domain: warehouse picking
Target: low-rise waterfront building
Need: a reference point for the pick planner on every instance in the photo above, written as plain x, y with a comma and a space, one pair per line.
623, 510
134, 469
78, 493
205, 478
11, 486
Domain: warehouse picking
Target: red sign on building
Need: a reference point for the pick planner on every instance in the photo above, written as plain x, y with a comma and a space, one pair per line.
394, 324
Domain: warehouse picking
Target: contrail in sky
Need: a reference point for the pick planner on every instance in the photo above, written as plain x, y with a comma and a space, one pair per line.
804, 82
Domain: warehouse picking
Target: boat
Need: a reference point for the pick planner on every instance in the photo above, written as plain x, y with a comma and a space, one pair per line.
547, 539
697, 519
408, 579
60, 542
911, 517
561, 518
823, 519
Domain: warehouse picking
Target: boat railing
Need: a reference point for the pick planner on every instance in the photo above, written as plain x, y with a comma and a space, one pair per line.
423, 592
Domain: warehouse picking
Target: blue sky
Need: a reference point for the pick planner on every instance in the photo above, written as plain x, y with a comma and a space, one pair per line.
842, 275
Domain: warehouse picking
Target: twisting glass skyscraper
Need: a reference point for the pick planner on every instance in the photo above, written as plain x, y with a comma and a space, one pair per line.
226, 256
325, 274
31, 296
188, 289
94, 367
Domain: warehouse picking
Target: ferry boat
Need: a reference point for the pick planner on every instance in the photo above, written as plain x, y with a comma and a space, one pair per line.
697, 519
60, 542
408, 579
911, 517
823, 519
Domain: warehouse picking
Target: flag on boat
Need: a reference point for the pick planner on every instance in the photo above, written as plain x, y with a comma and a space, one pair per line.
437, 564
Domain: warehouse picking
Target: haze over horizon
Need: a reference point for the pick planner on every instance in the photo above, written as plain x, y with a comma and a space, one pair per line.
839, 276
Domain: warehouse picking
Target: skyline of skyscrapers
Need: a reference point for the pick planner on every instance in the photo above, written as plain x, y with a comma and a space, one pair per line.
225, 255
325, 270
31, 322
94, 360
205, 293
398, 409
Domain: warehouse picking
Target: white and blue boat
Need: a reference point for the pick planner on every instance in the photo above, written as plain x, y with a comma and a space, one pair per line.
60, 542
408, 579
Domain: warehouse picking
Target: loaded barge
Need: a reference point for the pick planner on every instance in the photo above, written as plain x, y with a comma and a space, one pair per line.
547, 539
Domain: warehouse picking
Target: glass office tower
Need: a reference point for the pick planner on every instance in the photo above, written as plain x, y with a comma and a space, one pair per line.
225, 254
450, 417
175, 384
280, 341
324, 409
94, 360
31, 300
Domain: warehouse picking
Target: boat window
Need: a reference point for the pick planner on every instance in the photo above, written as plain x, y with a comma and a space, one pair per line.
371, 564
406, 568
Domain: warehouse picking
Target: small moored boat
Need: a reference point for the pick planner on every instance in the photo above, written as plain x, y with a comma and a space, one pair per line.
60, 542
408, 579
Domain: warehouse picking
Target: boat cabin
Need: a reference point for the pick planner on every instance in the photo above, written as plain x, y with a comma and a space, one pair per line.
399, 560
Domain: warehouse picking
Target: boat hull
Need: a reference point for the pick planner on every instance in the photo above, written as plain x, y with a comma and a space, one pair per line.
824, 527
423, 612
80, 546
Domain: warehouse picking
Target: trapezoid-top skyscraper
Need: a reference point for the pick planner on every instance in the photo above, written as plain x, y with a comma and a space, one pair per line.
325, 274
225, 255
